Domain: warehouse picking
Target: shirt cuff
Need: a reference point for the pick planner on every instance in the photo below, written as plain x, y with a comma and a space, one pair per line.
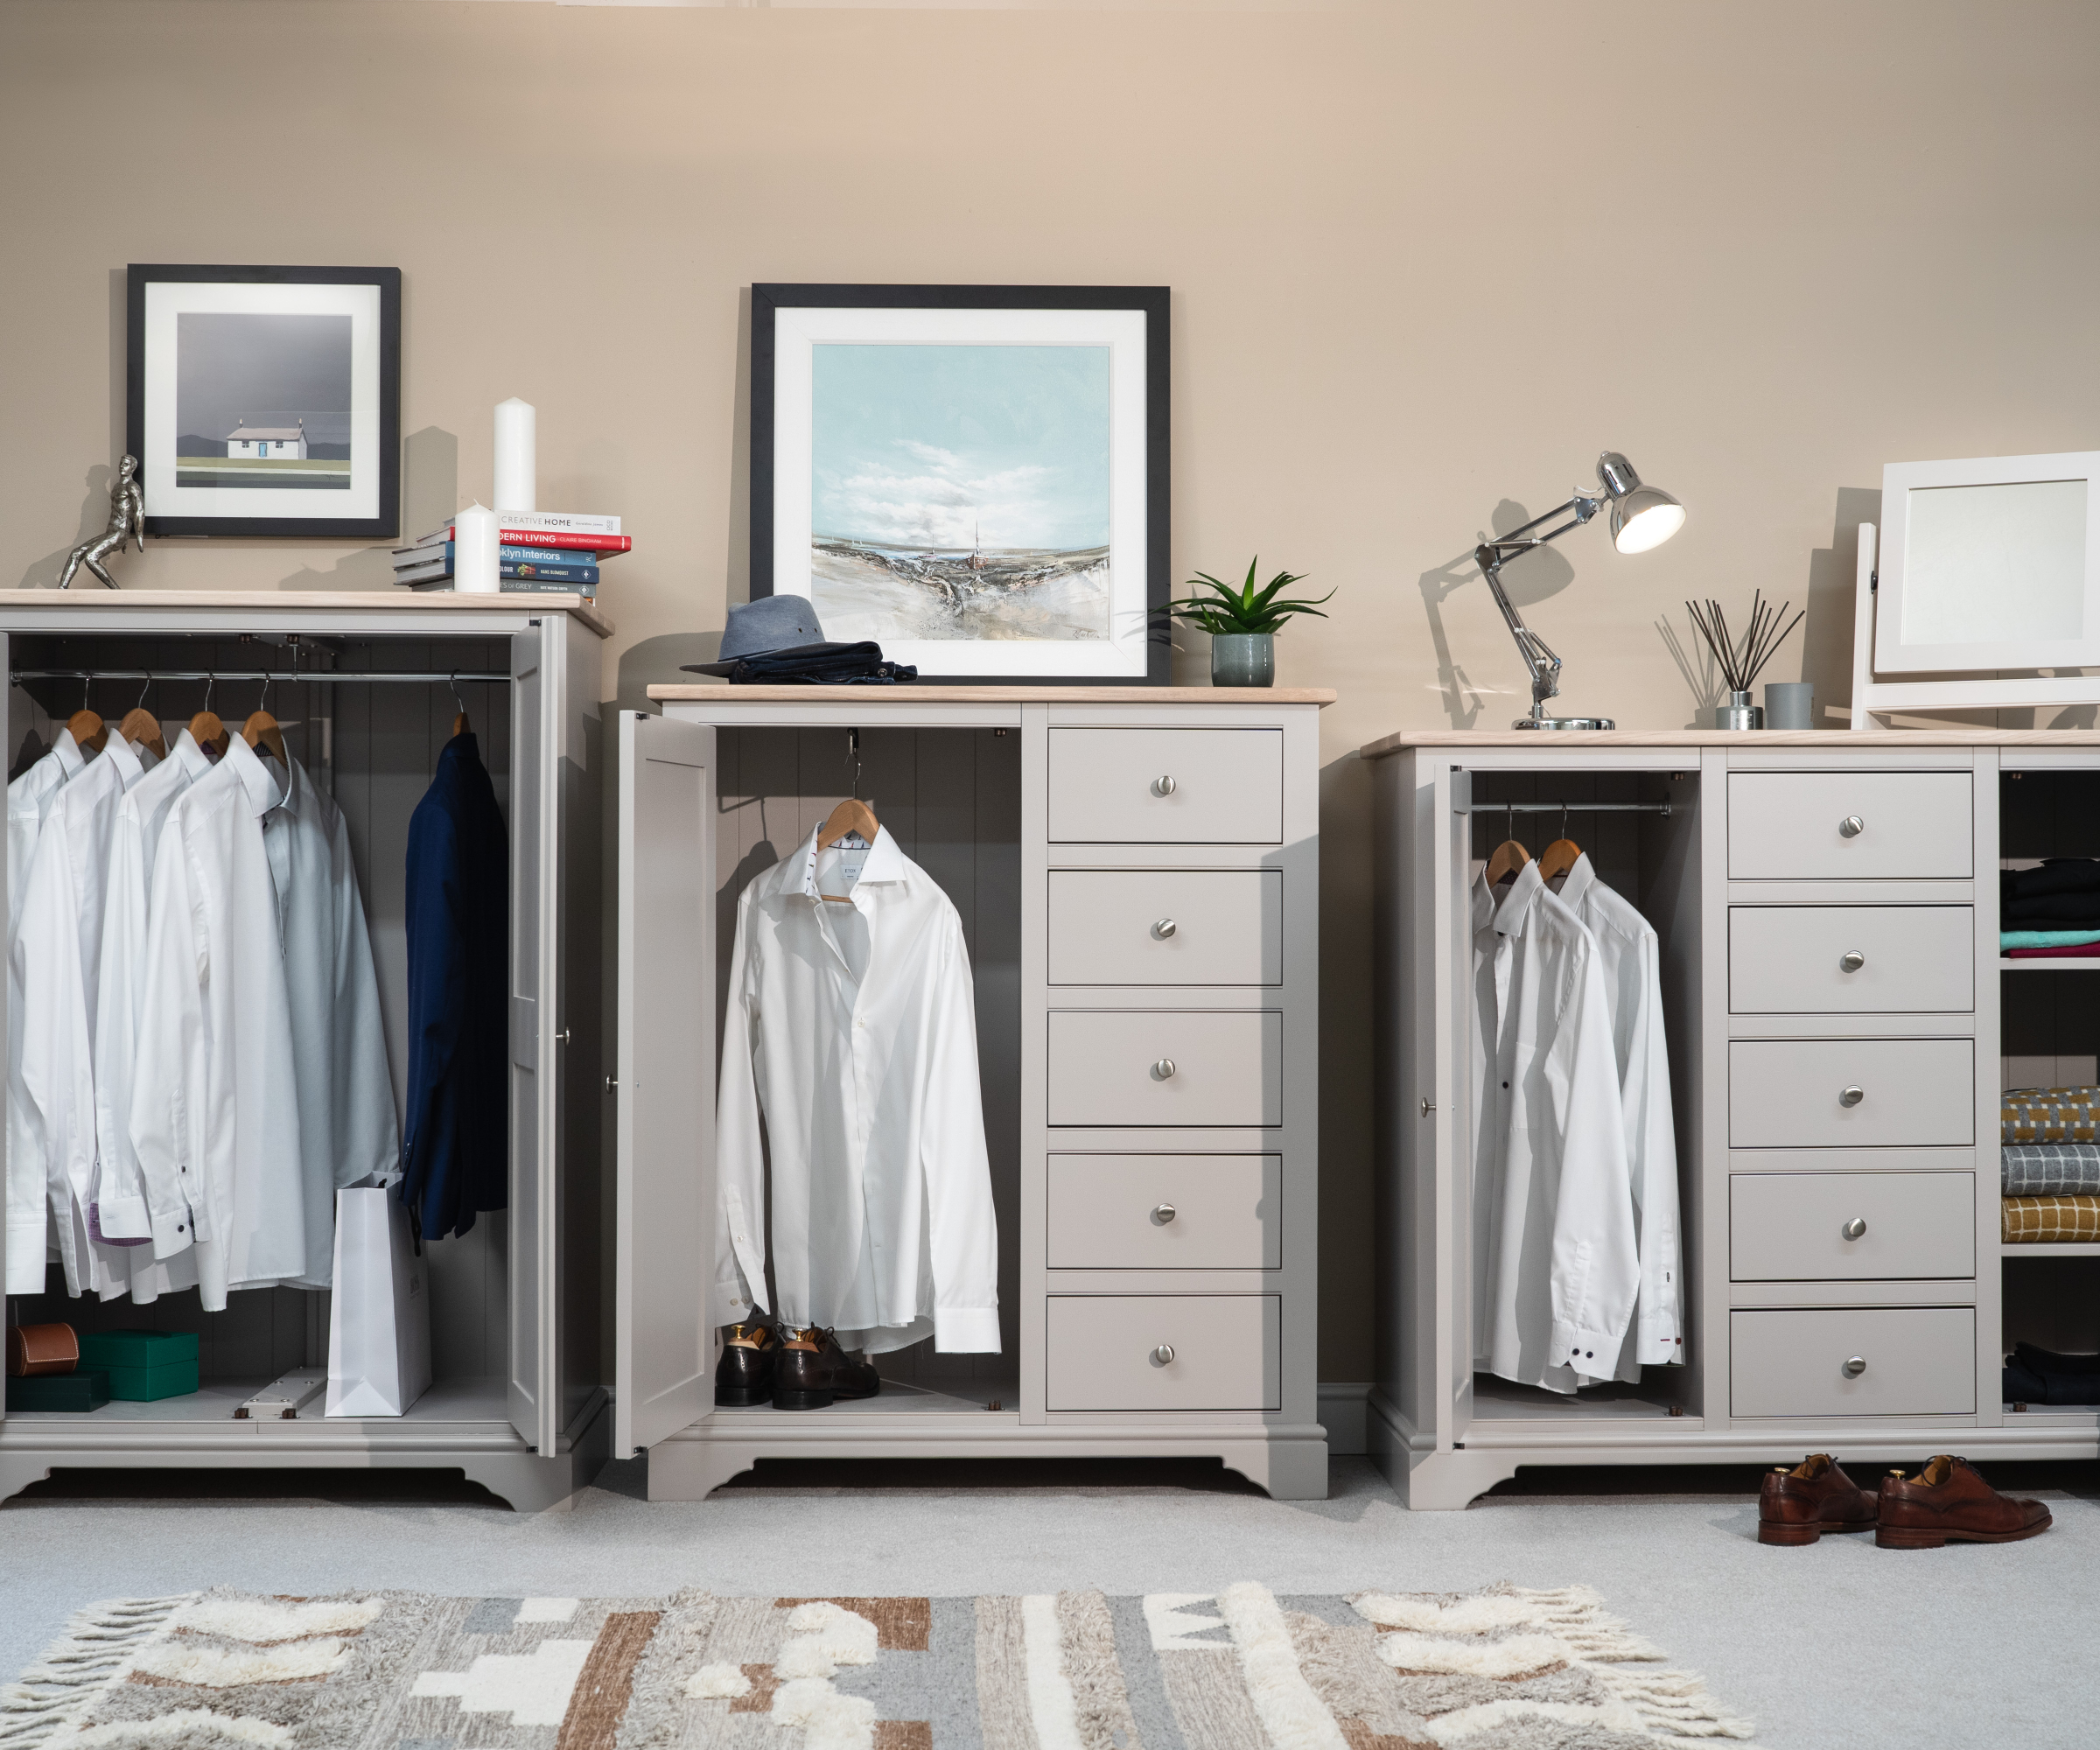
26, 1256
173, 1232
733, 1304
1579, 1347
122, 1218
966, 1330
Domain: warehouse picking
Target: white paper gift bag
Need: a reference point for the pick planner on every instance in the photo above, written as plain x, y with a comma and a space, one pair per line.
379, 1325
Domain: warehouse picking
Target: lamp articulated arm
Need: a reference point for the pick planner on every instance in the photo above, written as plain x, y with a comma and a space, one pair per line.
1492, 556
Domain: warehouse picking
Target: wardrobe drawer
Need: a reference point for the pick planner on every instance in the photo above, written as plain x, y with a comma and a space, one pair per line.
1166, 926
1165, 1352
1912, 1093
1167, 786
1110, 1067
1791, 826
1915, 1361
1851, 960
1165, 1212
1850, 1227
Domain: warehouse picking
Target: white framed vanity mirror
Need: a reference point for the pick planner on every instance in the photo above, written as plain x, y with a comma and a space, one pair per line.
1989, 564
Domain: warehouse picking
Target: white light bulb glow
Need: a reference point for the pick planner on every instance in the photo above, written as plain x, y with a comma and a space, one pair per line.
1649, 527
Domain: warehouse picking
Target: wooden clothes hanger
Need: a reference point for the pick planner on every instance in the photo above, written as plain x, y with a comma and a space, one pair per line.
460, 725
142, 726
1560, 856
1508, 857
87, 729
850, 815
206, 730
262, 730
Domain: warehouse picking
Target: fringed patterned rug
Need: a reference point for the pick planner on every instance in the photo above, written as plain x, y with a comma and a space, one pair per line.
1244, 1670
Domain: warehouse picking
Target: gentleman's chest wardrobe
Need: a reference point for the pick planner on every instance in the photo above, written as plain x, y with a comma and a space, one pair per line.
1840, 1026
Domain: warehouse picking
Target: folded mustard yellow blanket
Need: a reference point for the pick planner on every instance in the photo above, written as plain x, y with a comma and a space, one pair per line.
2049, 1115
2049, 1221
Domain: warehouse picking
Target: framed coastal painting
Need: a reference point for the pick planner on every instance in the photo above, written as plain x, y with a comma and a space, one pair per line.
266, 400
975, 477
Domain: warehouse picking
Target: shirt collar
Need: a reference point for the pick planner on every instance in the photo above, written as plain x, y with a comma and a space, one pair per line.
1580, 877
187, 754
1516, 903
71, 760
263, 793
123, 760
884, 862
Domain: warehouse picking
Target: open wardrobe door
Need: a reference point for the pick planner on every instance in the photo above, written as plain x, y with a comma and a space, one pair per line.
664, 1159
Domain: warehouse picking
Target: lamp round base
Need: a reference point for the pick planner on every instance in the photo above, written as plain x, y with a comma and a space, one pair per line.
1564, 722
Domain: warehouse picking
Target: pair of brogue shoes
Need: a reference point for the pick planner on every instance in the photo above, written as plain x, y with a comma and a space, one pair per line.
1946, 1503
790, 1368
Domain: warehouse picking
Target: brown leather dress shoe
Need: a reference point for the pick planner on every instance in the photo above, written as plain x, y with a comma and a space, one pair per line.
743, 1375
1798, 1505
814, 1372
1949, 1503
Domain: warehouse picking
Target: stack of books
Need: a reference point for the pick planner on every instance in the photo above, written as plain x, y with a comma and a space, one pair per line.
549, 551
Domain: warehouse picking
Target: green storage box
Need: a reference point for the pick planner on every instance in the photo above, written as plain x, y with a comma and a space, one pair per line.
84, 1389
144, 1366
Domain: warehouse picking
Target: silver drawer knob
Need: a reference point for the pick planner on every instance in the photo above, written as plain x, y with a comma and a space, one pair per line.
1851, 827
1162, 787
1163, 1069
1851, 1096
1854, 1229
1854, 1368
1850, 961
1165, 1354
1163, 929
1163, 1214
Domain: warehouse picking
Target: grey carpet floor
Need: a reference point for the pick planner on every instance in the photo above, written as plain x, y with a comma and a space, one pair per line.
1839, 1646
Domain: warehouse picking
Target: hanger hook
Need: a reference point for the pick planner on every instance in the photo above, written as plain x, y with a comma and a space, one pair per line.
853, 746
263, 703
86, 681
211, 680
452, 681
145, 687
1563, 817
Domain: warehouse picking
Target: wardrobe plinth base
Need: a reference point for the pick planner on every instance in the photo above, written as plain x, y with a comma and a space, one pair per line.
484, 1451
1291, 1462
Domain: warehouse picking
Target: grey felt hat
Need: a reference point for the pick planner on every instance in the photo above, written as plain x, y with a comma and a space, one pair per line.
770, 623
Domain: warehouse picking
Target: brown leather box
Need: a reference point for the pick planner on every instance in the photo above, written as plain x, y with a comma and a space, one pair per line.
36, 1349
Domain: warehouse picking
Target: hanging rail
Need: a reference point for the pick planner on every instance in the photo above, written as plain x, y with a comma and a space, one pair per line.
1488, 808
334, 677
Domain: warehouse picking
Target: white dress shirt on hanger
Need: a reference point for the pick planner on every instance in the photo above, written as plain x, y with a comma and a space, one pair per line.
852, 1028
57, 959
349, 1133
1631, 955
28, 1222
214, 1112
120, 1193
1556, 1263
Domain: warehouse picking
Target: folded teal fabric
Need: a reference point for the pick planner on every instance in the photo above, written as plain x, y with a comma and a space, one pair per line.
2046, 938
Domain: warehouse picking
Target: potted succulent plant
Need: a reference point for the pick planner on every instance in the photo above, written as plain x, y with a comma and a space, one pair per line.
1242, 623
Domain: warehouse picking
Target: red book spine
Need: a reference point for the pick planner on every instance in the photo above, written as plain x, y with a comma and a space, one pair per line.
543, 537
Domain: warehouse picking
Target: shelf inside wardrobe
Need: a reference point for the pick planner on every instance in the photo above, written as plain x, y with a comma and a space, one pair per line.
898, 1398
451, 1400
2069, 1248
1499, 1400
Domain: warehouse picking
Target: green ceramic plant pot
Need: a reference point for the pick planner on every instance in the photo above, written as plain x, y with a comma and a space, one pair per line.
1242, 659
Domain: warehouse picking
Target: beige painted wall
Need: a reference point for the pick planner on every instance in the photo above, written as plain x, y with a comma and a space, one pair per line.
1423, 256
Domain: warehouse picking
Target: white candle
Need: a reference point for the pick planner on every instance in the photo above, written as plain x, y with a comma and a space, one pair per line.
477, 534
517, 457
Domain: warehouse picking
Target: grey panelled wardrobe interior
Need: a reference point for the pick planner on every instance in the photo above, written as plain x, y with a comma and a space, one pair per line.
1840, 1026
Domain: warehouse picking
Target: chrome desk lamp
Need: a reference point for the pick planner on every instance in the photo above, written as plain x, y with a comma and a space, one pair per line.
1641, 518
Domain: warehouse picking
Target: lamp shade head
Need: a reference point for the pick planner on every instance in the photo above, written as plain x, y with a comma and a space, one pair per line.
1645, 518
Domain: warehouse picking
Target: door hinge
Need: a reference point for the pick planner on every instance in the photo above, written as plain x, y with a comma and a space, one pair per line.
1461, 791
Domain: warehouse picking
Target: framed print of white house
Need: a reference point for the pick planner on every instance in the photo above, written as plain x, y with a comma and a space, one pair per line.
1980, 567
266, 401
974, 477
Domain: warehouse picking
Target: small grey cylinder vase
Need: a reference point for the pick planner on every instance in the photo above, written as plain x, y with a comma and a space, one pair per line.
1242, 659
1789, 704
1738, 713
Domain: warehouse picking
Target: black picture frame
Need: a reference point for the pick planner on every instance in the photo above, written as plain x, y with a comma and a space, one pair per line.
767, 299
385, 525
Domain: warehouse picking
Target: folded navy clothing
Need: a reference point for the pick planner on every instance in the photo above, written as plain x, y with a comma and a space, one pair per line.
2058, 875
2070, 908
2035, 1375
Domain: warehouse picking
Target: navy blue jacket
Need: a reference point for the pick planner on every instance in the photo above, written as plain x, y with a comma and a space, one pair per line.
455, 1148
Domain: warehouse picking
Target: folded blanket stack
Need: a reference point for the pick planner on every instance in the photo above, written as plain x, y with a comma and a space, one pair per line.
2035, 1375
2049, 1165
2050, 912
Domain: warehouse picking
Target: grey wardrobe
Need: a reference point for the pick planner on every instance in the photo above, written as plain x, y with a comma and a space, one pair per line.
1841, 1024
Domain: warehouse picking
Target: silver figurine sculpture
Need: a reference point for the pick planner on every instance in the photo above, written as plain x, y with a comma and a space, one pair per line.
127, 522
